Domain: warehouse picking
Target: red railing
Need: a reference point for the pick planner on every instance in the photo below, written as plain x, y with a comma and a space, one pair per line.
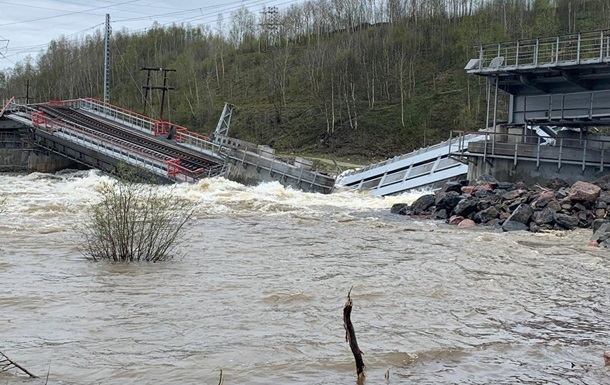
124, 110
163, 128
175, 169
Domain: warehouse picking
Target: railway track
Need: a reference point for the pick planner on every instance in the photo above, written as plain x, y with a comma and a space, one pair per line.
188, 160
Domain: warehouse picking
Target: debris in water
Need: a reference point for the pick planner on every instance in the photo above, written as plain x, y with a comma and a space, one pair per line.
350, 336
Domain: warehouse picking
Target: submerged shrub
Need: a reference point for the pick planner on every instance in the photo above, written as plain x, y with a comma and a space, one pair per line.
134, 222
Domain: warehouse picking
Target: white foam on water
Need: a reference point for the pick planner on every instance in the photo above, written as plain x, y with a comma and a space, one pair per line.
57, 200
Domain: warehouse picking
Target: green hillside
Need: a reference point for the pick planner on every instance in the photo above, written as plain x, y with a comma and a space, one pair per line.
356, 77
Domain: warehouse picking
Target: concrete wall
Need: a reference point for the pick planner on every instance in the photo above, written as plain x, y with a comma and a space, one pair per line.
504, 170
13, 159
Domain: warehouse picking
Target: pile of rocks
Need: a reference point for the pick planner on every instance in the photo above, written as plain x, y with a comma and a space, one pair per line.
513, 206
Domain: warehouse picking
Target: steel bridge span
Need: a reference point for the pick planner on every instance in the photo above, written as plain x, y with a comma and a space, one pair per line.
103, 136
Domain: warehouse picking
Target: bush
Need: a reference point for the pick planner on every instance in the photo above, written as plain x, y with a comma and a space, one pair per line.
134, 222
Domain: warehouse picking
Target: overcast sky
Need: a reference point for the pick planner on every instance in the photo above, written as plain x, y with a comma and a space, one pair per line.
27, 26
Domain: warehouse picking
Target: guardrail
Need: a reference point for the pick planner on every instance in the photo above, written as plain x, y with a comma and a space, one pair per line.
577, 48
585, 151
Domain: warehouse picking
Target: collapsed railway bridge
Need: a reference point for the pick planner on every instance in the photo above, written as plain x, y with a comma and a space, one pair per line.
103, 136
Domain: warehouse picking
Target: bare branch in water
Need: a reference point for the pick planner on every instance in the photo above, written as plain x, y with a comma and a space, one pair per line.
222, 379
7, 364
350, 336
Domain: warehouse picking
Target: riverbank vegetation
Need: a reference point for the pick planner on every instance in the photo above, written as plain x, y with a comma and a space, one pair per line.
356, 77
134, 222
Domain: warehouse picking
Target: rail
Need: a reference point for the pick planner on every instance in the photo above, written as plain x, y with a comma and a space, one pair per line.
577, 48
109, 145
587, 151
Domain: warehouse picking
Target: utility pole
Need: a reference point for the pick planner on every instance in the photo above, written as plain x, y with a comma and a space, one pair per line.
27, 91
164, 88
107, 60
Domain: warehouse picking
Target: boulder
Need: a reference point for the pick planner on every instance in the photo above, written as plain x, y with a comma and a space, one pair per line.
543, 216
566, 221
466, 206
584, 191
556, 183
508, 186
466, 223
514, 226
554, 205
452, 186
448, 200
522, 214
455, 220
399, 208
604, 197
544, 198
486, 179
422, 204
598, 223
487, 215
441, 214
600, 213
468, 190
514, 194
602, 234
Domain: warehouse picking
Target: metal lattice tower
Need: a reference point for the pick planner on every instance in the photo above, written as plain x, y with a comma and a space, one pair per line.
107, 59
222, 129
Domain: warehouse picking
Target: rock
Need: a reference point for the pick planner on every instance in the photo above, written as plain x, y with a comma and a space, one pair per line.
466, 206
508, 186
600, 213
604, 197
399, 208
468, 190
466, 223
493, 223
584, 191
482, 193
566, 221
566, 207
600, 204
504, 216
593, 244
422, 204
544, 198
452, 186
487, 215
556, 183
486, 179
522, 214
514, 226
602, 234
534, 228
546, 215
598, 223
455, 220
579, 207
513, 194
441, 214
554, 205
448, 200
605, 244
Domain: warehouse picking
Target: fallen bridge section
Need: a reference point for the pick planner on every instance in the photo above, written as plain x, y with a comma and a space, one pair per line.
66, 129
426, 167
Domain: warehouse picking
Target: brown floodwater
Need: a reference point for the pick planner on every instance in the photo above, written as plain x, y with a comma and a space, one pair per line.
259, 287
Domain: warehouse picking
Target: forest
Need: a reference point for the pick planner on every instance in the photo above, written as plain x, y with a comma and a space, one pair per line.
369, 78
